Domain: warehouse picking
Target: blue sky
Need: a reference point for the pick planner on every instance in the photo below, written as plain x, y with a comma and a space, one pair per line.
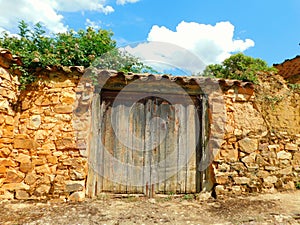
266, 29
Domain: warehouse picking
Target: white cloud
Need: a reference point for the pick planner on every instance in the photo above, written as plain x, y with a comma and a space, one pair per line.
211, 44
82, 5
123, 2
34, 11
47, 11
94, 24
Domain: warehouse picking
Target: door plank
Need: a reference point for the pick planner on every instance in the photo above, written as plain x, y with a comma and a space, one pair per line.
191, 149
148, 146
181, 160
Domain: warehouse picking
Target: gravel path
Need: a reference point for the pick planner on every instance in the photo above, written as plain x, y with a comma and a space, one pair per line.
280, 208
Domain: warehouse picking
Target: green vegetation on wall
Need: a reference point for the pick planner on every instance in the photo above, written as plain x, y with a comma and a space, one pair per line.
81, 48
239, 67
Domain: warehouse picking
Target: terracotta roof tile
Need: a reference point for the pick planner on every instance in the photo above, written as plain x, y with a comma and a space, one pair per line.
7, 58
181, 80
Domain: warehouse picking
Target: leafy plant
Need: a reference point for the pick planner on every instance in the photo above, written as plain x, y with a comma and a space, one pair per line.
188, 197
71, 48
298, 185
294, 87
121, 61
238, 66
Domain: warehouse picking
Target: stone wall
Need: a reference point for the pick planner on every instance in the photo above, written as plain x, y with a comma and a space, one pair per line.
45, 129
261, 152
48, 144
42, 153
8, 99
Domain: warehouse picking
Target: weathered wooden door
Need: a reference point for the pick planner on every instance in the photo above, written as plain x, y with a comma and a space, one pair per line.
146, 144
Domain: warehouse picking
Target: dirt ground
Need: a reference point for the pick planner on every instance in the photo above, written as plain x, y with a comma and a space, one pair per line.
279, 208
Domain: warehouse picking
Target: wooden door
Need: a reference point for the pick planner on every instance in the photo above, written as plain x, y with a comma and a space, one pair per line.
147, 144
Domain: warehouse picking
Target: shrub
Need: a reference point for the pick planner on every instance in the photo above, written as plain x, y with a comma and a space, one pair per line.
238, 66
81, 48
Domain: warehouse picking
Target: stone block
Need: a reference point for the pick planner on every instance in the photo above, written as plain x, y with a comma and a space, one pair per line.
4, 152
48, 146
220, 190
7, 162
284, 155
296, 156
297, 168
242, 97
34, 122
43, 169
26, 167
30, 178
9, 120
248, 145
4, 105
67, 97
262, 174
236, 190
25, 105
58, 153
223, 167
78, 196
53, 169
43, 101
250, 159
44, 152
78, 174
2, 118
13, 176
63, 117
23, 143
222, 178
291, 147
38, 161
3, 169
63, 109
83, 153
238, 166
15, 186
42, 190
23, 158
271, 168
41, 134
7, 132
22, 195
50, 119
286, 171
5, 194
6, 140
275, 148
241, 180
268, 187
253, 168
4, 73
65, 143
290, 185
58, 84
271, 179
260, 160
228, 155
52, 159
